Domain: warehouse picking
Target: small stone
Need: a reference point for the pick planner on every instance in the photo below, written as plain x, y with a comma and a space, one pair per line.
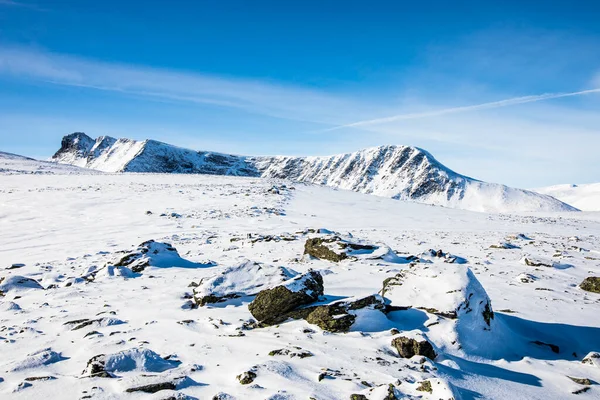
408, 348
246, 378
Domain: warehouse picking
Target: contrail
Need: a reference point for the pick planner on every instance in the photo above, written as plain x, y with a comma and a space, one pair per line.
454, 110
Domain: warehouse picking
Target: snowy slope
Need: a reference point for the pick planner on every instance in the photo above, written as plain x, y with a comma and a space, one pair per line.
585, 197
11, 164
400, 172
68, 312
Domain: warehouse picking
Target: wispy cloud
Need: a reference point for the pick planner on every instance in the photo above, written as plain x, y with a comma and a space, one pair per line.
13, 3
267, 98
454, 110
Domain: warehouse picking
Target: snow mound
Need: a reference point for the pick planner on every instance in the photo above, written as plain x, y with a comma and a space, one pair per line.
142, 360
452, 292
38, 359
246, 279
18, 283
153, 254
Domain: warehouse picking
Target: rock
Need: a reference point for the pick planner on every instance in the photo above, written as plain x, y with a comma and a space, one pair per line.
291, 353
18, 283
358, 397
553, 347
223, 396
153, 387
271, 304
15, 266
582, 390
592, 358
246, 279
581, 381
532, 262
425, 386
127, 360
40, 378
246, 378
336, 249
339, 316
318, 247
591, 284
408, 348
331, 318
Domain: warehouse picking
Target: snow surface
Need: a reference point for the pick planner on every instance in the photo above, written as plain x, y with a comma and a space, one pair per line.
63, 227
585, 197
400, 172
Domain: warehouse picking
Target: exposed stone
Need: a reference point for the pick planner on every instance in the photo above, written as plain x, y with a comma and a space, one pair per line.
246, 378
592, 358
358, 397
581, 381
270, 305
409, 348
153, 387
425, 386
591, 284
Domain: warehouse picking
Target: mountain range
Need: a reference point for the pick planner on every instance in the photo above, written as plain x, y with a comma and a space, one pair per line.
399, 172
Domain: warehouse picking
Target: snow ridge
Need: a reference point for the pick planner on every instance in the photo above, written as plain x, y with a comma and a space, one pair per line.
400, 172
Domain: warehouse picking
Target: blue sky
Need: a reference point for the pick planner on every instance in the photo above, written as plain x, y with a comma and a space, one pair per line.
480, 86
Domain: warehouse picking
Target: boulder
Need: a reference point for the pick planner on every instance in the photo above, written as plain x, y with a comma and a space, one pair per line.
246, 279
591, 284
408, 348
339, 316
271, 304
335, 248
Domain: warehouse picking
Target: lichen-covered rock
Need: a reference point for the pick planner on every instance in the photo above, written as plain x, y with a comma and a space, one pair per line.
246, 279
335, 248
591, 284
408, 348
271, 304
339, 316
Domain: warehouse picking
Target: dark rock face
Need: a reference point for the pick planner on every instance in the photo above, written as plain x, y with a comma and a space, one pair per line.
271, 305
408, 348
78, 143
153, 388
591, 284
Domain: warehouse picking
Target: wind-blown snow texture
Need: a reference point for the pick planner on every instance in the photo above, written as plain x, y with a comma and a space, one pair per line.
400, 172
71, 330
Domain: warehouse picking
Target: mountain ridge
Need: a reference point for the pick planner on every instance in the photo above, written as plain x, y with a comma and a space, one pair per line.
400, 172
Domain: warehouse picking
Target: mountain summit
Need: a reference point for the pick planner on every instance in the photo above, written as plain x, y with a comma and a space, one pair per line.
400, 172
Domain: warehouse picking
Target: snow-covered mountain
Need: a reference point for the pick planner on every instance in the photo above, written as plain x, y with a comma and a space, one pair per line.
13, 164
400, 172
585, 197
